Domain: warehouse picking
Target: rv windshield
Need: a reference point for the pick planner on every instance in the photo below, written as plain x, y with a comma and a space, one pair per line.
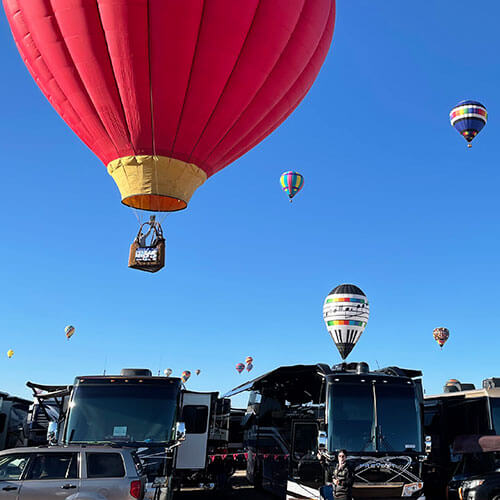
351, 422
353, 425
129, 413
399, 422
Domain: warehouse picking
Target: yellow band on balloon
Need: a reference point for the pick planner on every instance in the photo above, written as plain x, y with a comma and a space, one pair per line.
156, 183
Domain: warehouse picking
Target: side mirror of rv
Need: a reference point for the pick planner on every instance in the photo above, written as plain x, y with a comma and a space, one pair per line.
322, 441
180, 431
52, 432
428, 444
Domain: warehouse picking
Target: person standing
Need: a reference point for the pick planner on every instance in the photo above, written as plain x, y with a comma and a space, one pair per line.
342, 478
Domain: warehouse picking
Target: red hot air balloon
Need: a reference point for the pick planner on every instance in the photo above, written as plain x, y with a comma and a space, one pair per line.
168, 92
240, 367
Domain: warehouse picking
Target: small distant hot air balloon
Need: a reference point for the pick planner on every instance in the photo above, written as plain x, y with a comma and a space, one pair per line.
468, 118
292, 183
249, 360
167, 372
69, 331
249, 367
441, 335
197, 372
185, 376
240, 367
10, 353
346, 312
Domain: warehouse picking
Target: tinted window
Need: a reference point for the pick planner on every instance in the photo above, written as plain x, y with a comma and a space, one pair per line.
305, 440
495, 414
12, 466
105, 465
54, 466
195, 418
127, 413
398, 418
351, 419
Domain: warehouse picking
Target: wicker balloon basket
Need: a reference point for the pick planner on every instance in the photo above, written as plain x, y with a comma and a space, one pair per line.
148, 257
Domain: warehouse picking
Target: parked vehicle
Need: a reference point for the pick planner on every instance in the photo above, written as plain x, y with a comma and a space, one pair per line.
477, 469
60, 472
294, 412
460, 410
13, 411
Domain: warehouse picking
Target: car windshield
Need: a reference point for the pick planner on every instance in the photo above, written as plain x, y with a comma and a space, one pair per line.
122, 413
354, 425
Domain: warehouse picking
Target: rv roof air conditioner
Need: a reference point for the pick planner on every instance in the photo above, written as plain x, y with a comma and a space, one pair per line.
135, 372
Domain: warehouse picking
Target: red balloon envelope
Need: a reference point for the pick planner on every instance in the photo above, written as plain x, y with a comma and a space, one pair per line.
168, 92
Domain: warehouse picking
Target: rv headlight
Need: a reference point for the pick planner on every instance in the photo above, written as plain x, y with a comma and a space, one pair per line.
411, 488
474, 483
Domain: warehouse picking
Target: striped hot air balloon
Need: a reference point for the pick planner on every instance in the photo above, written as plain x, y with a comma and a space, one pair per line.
249, 360
468, 118
346, 312
240, 367
185, 375
69, 331
292, 183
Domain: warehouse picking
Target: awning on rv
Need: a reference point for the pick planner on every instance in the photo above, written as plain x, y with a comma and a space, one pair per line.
297, 383
476, 443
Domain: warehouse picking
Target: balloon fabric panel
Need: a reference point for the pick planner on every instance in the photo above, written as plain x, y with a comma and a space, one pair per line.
42, 70
199, 82
282, 109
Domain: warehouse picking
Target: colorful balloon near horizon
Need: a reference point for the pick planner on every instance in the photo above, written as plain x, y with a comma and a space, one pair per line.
249, 367
10, 353
185, 376
197, 372
468, 118
69, 331
249, 360
240, 367
167, 372
130, 79
346, 312
291, 183
441, 335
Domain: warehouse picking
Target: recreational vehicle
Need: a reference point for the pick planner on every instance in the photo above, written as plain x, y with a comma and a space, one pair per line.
299, 416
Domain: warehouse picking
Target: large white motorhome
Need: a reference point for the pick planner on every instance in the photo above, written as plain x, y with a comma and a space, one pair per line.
299, 416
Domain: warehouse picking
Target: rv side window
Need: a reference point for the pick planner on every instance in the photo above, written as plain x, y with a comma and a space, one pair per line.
195, 418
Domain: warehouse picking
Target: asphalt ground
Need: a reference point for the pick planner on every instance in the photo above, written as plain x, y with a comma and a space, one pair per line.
239, 489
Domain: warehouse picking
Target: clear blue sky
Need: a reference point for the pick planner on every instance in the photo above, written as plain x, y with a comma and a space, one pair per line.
393, 201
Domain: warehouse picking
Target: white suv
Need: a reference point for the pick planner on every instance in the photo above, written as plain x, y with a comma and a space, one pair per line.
71, 472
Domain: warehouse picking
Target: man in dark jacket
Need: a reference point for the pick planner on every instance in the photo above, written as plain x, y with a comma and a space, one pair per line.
342, 478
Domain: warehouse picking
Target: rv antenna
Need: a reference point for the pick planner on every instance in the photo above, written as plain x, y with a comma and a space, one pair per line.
378, 366
105, 361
